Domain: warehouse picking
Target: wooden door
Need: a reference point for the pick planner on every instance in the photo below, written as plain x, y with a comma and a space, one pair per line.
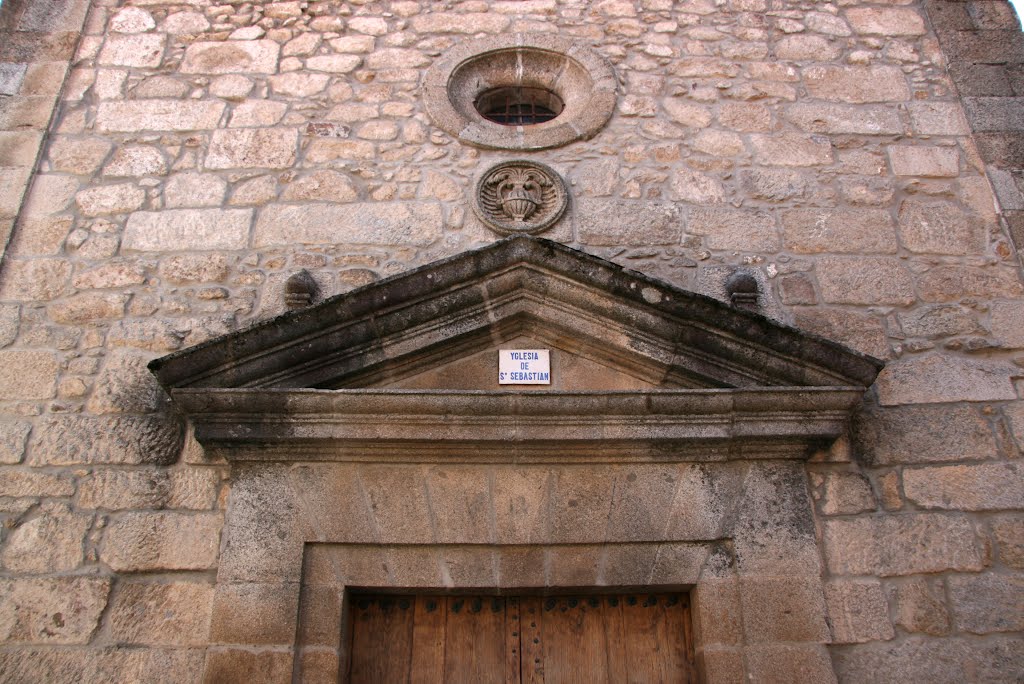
560, 639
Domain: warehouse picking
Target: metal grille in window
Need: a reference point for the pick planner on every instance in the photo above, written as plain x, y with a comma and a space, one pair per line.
519, 105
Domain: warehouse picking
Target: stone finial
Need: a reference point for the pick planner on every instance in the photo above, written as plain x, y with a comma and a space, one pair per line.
300, 290
743, 290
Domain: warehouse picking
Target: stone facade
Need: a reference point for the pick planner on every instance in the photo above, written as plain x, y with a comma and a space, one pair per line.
167, 166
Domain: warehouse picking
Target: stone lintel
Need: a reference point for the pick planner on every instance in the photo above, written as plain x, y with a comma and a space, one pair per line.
456, 426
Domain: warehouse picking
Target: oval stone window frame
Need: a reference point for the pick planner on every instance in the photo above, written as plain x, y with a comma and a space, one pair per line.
579, 76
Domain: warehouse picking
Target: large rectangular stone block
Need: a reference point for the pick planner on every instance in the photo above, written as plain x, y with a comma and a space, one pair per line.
368, 223
616, 222
158, 115
739, 229
28, 374
937, 379
902, 545
834, 118
187, 229
253, 148
231, 57
162, 541
161, 614
832, 230
60, 610
856, 84
865, 280
975, 487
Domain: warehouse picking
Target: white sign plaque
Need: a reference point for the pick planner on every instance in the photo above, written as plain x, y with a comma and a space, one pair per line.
524, 367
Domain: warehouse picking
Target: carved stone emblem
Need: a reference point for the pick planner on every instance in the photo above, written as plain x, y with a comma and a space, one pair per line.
520, 196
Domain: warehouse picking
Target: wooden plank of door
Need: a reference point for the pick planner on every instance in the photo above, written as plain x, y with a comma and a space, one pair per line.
615, 639
513, 635
532, 640
680, 635
381, 639
475, 640
426, 664
640, 627
573, 641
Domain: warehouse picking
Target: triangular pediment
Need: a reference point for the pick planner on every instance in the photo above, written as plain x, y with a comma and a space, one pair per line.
439, 326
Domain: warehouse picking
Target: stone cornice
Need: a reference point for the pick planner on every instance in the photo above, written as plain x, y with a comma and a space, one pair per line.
482, 426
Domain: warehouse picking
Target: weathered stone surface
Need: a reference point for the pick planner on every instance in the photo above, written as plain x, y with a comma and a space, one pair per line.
774, 185
125, 385
17, 483
472, 22
805, 47
823, 230
13, 438
940, 228
298, 84
938, 118
919, 659
77, 155
62, 610
194, 190
249, 665
905, 544
110, 199
937, 379
153, 488
910, 160
789, 662
187, 229
921, 607
158, 115
980, 487
687, 113
886, 21
1006, 320
131, 440
951, 283
612, 222
175, 613
231, 86
252, 148
1008, 531
136, 160
989, 602
791, 149
845, 493
255, 113
162, 541
334, 64
248, 56
416, 223
133, 50
50, 541
88, 307
783, 609
858, 611
326, 185
187, 268
864, 280
696, 188
856, 84
34, 279
152, 665
939, 320
132, 20
28, 374
742, 230
832, 118
922, 434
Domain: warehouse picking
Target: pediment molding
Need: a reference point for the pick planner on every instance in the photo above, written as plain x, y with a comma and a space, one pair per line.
344, 380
